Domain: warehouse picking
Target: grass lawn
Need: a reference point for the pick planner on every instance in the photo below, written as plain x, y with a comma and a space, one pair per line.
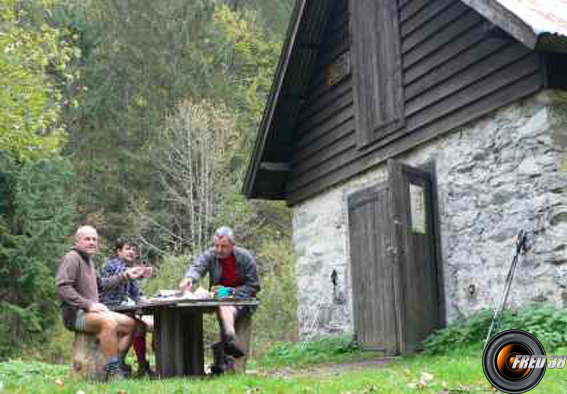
458, 372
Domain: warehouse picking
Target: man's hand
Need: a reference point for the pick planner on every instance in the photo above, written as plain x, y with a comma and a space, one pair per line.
97, 307
135, 272
186, 285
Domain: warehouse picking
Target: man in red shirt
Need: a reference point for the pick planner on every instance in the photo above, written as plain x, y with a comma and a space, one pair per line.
232, 272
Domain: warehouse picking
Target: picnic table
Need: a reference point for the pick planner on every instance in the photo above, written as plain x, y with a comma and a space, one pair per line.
178, 331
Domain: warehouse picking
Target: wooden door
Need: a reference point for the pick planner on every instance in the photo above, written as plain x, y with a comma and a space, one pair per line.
417, 257
372, 269
394, 270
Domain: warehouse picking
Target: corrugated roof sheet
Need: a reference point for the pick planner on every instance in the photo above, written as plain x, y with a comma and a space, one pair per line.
542, 16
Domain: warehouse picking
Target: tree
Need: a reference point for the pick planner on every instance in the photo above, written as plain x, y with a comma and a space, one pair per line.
30, 99
39, 213
191, 161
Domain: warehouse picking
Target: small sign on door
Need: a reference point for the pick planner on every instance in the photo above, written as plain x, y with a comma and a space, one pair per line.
417, 205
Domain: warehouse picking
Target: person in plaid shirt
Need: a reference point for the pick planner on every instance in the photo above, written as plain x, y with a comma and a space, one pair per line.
126, 250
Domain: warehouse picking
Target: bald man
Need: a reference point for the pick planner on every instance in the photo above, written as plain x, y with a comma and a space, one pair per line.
77, 284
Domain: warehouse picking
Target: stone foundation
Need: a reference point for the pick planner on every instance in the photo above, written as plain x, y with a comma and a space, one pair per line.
497, 175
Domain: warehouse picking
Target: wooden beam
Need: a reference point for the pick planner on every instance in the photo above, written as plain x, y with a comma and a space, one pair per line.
273, 166
505, 19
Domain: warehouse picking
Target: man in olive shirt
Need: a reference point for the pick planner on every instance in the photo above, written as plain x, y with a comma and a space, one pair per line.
77, 289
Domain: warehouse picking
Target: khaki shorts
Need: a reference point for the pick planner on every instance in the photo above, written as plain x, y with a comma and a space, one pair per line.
81, 321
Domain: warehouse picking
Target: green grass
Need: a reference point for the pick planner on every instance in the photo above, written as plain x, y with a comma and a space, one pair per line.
457, 372
329, 349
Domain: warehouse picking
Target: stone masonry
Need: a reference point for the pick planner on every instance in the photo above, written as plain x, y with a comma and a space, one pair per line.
499, 174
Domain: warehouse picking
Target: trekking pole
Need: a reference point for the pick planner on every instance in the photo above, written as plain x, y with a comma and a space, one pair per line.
522, 246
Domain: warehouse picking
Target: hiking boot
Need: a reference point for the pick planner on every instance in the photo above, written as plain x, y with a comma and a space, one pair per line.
232, 348
218, 366
145, 370
124, 368
114, 374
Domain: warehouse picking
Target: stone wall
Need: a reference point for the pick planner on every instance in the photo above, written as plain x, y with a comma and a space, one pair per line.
497, 175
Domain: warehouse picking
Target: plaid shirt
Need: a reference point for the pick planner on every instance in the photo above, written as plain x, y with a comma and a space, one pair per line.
118, 295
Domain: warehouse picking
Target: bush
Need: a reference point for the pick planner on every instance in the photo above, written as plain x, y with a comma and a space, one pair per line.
547, 323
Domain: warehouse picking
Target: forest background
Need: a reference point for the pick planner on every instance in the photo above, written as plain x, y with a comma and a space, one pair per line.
137, 117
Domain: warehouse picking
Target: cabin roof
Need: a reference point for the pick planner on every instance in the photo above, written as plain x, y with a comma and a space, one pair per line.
538, 24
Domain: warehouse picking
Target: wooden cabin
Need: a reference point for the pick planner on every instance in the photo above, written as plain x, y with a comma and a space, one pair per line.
413, 139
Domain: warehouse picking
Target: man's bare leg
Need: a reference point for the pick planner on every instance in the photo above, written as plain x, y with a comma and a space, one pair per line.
114, 331
105, 327
227, 316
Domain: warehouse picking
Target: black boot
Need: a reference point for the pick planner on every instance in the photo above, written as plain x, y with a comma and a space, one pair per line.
219, 365
231, 347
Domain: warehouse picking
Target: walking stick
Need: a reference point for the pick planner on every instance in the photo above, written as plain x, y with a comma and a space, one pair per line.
522, 246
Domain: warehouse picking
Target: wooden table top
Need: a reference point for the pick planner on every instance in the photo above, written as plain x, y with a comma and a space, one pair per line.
208, 304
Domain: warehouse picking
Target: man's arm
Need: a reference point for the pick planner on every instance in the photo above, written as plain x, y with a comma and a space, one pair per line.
251, 283
197, 270
200, 265
134, 291
65, 281
118, 279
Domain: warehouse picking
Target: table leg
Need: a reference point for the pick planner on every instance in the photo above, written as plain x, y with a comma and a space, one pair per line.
179, 343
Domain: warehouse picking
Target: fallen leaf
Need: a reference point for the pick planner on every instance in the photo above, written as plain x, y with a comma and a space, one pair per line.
59, 382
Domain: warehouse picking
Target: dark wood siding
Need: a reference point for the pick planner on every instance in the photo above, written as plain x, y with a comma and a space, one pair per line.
453, 72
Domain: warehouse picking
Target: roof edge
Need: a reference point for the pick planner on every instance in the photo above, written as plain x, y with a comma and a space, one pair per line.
506, 20
267, 117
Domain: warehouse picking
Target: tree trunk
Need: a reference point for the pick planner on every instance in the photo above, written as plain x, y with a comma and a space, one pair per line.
88, 360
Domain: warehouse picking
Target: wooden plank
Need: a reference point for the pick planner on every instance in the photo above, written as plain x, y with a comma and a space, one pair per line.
411, 9
343, 145
326, 127
319, 88
192, 332
325, 117
472, 75
331, 56
450, 51
312, 107
506, 20
504, 77
377, 84
338, 163
440, 38
299, 190
345, 129
441, 22
432, 10
399, 252
458, 63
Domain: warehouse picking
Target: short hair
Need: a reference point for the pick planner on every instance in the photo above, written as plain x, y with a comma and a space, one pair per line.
225, 231
123, 241
83, 229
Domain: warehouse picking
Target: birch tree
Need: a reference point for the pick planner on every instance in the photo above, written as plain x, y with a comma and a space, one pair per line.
192, 163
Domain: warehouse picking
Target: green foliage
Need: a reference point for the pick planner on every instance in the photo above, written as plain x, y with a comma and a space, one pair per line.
31, 53
276, 318
327, 349
41, 214
547, 323
26, 373
167, 275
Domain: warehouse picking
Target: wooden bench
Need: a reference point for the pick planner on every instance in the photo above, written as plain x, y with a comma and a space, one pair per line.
88, 362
